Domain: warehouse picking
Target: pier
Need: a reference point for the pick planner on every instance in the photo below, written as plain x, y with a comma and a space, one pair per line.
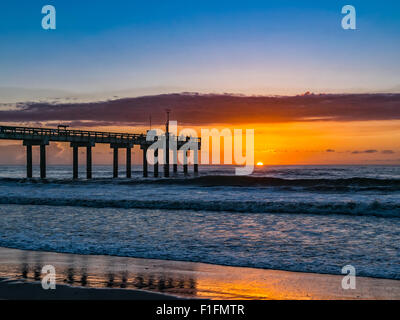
88, 139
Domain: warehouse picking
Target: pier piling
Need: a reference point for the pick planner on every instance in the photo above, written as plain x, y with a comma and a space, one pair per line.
166, 164
75, 158
29, 161
185, 162
41, 137
128, 162
43, 161
156, 163
75, 162
88, 162
115, 163
145, 172
128, 147
42, 144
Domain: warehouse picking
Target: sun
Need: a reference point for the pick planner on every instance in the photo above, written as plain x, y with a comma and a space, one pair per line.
260, 164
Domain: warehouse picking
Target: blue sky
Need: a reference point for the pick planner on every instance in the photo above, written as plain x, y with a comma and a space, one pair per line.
260, 47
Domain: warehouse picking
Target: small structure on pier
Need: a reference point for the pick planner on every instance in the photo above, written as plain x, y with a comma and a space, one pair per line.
88, 139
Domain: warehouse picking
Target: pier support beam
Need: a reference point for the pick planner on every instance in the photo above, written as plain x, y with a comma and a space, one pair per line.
89, 162
145, 171
128, 147
155, 163
175, 155
196, 162
185, 162
42, 161
75, 162
166, 156
75, 158
166, 170
42, 144
29, 161
128, 162
115, 163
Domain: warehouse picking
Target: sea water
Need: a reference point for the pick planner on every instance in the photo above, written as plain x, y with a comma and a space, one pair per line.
297, 218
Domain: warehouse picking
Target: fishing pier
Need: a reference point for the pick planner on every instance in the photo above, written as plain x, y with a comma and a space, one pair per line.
41, 137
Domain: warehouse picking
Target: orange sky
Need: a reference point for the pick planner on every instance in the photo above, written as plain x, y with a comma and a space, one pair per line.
292, 143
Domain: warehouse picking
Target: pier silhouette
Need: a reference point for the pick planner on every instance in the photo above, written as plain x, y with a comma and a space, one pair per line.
88, 139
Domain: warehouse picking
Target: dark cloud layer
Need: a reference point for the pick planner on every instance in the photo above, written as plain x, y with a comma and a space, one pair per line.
197, 109
365, 151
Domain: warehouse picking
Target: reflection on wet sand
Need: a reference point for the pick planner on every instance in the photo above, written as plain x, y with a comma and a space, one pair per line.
30, 268
188, 279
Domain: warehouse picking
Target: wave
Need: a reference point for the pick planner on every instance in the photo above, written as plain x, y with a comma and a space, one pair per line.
340, 184
374, 208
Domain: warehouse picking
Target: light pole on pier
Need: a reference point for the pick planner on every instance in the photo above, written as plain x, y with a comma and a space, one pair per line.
166, 164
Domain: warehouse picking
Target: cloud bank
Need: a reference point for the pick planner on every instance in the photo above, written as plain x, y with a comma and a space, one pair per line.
201, 109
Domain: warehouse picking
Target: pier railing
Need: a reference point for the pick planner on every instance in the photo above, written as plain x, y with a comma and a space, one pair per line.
67, 133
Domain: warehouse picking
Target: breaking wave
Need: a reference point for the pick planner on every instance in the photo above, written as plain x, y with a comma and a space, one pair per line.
374, 208
322, 184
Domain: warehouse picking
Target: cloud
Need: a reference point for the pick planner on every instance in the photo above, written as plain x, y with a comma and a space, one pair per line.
388, 152
365, 151
200, 109
330, 150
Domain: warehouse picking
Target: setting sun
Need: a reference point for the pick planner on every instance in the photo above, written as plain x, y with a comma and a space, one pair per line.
260, 164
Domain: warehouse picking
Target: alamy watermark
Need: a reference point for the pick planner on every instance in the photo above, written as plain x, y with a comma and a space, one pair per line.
49, 279
349, 20
49, 20
233, 150
349, 281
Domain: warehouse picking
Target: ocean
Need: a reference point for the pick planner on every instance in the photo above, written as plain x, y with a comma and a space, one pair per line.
296, 218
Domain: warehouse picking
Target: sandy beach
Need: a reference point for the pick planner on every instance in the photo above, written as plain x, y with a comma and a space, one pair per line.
110, 277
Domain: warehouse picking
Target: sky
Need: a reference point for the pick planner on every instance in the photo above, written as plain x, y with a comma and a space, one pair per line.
104, 50
252, 47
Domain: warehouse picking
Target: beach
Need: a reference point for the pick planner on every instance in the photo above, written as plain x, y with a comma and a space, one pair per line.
285, 232
110, 277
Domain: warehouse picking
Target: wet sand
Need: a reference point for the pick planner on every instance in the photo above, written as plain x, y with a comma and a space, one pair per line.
26, 290
109, 277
